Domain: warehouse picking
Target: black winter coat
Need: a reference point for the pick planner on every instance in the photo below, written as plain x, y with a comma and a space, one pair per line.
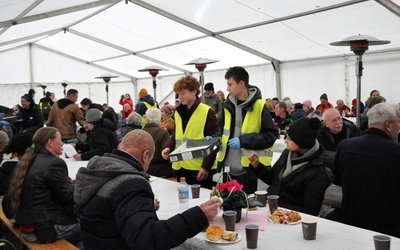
101, 139
47, 193
116, 206
326, 140
32, 119
368, 169
302, 190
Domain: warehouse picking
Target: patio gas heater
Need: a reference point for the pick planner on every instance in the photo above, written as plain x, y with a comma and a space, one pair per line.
153, 71
64, 84
201, 64
359, 44
106, 78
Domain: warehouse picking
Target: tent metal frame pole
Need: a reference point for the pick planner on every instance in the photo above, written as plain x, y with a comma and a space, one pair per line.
359, 68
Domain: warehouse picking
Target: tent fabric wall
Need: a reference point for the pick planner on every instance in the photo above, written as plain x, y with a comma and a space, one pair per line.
49, 41
300, 81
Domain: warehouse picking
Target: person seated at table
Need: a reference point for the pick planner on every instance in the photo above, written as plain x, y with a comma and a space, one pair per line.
116, 202
158, 166
342, 108
334, 130
364, 117
298, 111
3, 143
353, 111
41, 194
132, 122
367, 168
30, 114
16, 147
167, 122
101, 137
282, 118
299, 176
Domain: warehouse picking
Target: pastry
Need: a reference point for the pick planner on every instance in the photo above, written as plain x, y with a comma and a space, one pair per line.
281, 216
229, 236
214, 233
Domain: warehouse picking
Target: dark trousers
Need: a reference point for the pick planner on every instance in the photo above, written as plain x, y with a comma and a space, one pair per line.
191, 176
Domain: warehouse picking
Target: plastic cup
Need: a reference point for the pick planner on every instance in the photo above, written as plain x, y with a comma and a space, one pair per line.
251, 236
230, 220
273, 202
261, 196
381, 242
309, 229
195, 191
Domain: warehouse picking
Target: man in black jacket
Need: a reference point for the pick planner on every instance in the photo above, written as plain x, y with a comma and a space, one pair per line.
334, 130
368, 169
116, 202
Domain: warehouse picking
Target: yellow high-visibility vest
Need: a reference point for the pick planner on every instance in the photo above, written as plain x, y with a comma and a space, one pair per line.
194, 131
251, 124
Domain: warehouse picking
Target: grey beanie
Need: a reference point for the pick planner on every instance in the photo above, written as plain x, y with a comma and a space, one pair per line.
93, 115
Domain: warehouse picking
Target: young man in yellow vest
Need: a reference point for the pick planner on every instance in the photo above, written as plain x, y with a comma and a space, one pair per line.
246, 127
193, 121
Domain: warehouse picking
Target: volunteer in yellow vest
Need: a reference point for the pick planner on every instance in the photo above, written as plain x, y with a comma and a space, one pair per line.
146, 101
246, 127
194, 121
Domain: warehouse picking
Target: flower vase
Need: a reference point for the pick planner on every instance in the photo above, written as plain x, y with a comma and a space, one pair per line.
238, 211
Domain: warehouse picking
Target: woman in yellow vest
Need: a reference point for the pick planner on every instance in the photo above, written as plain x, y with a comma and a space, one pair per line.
193, 121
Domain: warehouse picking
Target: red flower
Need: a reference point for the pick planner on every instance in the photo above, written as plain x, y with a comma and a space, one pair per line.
232, 194
230, 186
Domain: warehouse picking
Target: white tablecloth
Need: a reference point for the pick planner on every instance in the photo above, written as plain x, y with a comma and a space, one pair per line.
73, 166
330, 235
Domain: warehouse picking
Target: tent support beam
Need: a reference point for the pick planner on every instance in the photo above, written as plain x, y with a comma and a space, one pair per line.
20, 19
31, 77
278, 79
391, 6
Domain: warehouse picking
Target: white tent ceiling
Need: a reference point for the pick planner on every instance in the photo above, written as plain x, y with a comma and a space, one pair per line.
121, 37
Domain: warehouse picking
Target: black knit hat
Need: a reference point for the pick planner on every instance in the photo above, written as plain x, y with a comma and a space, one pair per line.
209, 86
324, 96
304, 131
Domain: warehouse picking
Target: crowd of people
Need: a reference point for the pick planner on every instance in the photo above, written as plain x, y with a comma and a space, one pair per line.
323, 149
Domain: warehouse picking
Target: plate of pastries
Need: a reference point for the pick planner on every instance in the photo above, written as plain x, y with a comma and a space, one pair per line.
283, 216
217, 235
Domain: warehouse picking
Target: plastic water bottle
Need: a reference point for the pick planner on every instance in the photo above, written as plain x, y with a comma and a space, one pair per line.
183, 193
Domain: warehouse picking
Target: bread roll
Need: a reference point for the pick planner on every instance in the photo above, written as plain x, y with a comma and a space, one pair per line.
214, 233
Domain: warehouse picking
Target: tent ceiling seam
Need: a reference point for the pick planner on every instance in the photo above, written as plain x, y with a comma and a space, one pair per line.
199, 28
297, 15
81, 60
129, 52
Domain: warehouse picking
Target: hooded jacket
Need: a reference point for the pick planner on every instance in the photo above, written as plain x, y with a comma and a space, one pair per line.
101, 139
113, 192
63, 115
141, 108
261, 140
